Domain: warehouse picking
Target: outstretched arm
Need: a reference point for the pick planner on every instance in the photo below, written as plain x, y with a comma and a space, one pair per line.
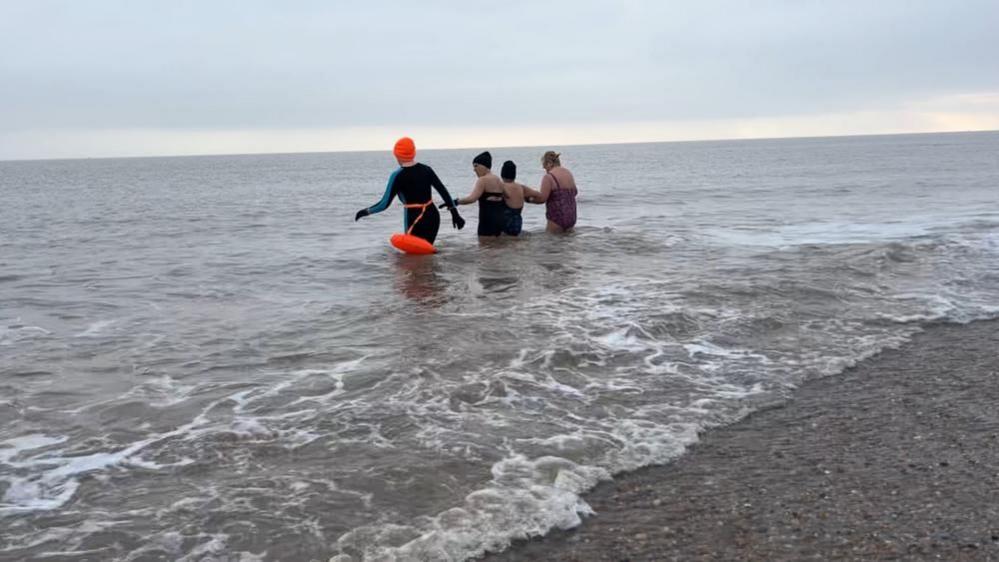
474, 195
388, 196
450, 203
386, 200
539, 195
439, 186
531, 195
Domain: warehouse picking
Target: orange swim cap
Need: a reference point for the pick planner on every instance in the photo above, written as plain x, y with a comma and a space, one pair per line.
405, 149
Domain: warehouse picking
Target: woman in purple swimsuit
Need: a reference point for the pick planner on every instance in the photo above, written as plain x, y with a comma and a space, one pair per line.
558, 193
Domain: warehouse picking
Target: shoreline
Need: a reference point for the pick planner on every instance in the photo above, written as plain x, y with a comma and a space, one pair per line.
895, 458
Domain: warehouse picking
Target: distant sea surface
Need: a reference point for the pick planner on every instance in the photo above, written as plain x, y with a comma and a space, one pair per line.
207, 356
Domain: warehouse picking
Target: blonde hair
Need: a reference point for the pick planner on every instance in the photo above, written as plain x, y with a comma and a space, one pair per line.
550, 158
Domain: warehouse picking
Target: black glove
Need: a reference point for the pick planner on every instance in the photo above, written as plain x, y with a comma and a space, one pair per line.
456, 219
360, 214
442, 205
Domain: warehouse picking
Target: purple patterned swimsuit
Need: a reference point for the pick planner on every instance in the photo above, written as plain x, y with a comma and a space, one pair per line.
560, 208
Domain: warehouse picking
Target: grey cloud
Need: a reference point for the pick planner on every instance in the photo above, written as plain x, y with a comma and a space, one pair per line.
260, 65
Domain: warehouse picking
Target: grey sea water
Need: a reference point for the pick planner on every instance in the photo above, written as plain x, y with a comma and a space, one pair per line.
207, 357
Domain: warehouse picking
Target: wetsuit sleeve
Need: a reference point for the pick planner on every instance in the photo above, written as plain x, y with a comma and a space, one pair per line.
439, 186
391, 190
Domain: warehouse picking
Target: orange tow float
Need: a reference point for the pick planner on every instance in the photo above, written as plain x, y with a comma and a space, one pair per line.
409, 243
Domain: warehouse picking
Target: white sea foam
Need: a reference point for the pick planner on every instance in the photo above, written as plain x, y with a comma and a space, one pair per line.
214, 546
621, 340
54, 479
528, 498
16, 333
11, 448
96, 328
707, 348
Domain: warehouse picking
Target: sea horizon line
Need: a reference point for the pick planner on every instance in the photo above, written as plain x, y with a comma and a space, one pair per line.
497, 147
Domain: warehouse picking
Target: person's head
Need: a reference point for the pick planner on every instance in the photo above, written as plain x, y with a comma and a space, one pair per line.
404, 150
550, 159
482, 163
509, 171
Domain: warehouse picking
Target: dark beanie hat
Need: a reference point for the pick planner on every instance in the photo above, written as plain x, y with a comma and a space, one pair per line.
509, 171
485, 159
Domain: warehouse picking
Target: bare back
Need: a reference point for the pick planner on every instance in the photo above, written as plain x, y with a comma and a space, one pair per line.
513, 192
492, 186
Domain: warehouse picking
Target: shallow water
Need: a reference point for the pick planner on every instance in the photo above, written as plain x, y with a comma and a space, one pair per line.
206, 356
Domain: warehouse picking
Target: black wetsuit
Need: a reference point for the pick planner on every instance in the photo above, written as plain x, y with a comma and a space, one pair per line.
411, 184
493, 216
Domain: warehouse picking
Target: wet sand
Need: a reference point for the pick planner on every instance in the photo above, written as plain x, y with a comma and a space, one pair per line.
895, 459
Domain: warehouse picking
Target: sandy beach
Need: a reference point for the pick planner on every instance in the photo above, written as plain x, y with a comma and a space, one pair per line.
895, 459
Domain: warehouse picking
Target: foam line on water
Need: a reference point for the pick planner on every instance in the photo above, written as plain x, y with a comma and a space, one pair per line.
526, 497
515, 506
95, 328
17, 333
16, 445
53, 480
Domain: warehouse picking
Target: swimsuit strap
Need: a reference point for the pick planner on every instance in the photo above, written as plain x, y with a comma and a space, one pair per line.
423, 209
558, 185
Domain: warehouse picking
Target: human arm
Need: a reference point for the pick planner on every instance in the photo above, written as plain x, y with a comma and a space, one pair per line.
390, 192
539, 195
472, 197
449, 202
435, 181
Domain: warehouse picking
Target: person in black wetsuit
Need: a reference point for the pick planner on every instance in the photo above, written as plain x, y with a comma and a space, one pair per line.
411, 183
488, 191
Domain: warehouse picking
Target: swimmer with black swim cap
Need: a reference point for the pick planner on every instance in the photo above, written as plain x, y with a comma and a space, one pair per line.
491, 195
514, 194
411, 183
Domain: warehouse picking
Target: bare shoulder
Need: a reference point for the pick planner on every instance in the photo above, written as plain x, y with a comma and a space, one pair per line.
513, 187
562, 176
494, 181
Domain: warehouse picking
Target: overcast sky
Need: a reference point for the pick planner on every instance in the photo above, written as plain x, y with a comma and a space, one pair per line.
105, 78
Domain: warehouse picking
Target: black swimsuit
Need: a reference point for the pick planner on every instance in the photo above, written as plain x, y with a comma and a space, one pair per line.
412, 185
493, 216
